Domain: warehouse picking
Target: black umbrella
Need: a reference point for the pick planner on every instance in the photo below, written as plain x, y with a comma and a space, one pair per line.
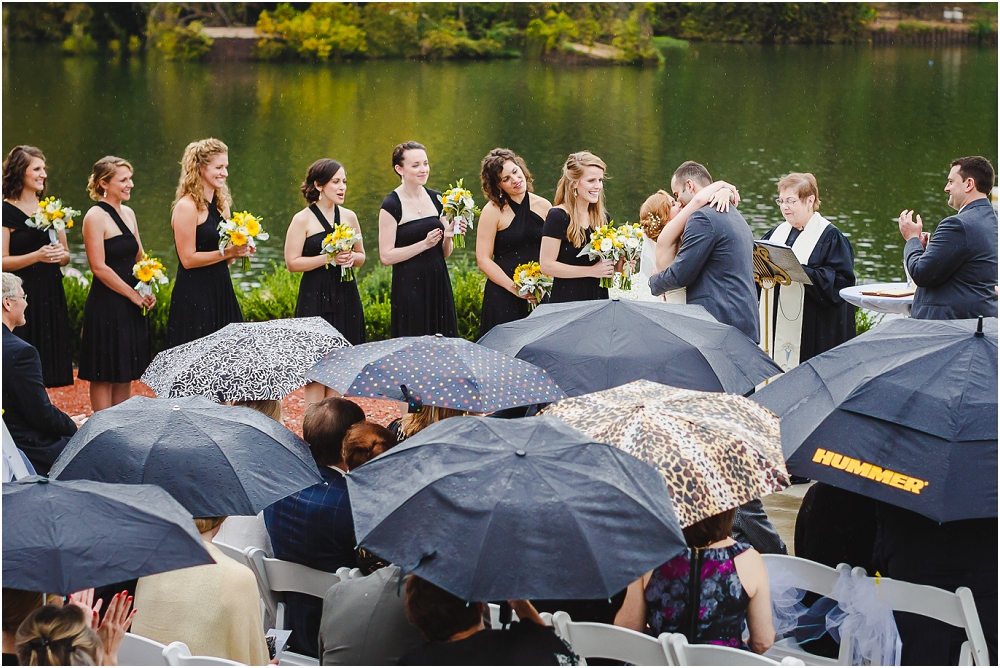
214, 459
596, 345
436, 371
491, 509
64, 536
905, 413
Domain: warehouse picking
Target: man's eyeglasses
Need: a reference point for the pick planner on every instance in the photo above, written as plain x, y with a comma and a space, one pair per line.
23, 297
791, 201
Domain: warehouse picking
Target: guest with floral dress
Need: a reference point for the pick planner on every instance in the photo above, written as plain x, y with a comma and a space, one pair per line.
729, 584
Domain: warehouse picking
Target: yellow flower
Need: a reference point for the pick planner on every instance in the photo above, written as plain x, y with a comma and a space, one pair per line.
238, 238
145, 274
253, 227
57, 214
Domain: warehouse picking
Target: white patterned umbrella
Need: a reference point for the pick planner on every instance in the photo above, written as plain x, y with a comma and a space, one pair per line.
244, 361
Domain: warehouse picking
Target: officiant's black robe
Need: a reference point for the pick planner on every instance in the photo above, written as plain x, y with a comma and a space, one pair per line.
827, 320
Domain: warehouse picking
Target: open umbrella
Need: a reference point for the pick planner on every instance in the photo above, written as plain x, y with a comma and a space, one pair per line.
245, 360
905, 413
64, 536
214, 459
436, 371
491, 509
594, 345
715, 451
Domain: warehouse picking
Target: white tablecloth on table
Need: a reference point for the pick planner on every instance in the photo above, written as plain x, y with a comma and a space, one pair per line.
900, 305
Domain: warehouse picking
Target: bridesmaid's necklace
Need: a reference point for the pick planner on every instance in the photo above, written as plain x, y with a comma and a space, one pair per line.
416, 203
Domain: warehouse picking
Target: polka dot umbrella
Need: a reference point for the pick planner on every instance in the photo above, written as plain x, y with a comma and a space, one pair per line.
436, 371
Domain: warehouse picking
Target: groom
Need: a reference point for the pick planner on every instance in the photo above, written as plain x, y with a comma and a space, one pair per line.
715, 264
715, 260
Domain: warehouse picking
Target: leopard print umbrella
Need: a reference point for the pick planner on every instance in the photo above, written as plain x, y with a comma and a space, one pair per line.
716, 451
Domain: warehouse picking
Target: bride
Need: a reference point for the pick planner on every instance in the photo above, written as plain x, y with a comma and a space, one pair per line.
662, 218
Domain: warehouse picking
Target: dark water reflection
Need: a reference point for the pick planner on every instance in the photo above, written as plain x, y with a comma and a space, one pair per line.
878, 127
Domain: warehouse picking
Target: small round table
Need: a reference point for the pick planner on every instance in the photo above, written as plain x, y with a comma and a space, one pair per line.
882, 304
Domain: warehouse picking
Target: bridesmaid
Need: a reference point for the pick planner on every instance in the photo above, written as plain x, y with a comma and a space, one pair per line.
509, 234
115, 348
203, 300
322, 292
414, 239
579, 208
28, 253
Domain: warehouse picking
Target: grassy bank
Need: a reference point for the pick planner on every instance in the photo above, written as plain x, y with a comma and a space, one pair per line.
278, 291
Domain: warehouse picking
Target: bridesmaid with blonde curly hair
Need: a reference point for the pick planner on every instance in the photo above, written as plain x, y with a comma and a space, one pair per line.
203, 299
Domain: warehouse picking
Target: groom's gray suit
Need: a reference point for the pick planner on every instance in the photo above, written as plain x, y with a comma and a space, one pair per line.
715, 264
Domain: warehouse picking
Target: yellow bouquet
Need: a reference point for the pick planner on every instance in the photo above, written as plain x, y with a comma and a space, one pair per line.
52, 217
241, 230
149, 271
529, 280
605, 244
341, 239
457, 203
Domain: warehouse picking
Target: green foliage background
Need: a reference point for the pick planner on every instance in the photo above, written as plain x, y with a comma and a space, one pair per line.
278, 292
434, 30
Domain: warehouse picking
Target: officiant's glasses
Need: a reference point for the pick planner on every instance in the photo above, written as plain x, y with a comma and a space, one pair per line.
791, 201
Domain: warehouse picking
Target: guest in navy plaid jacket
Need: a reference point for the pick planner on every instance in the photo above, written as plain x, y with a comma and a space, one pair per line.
314, 527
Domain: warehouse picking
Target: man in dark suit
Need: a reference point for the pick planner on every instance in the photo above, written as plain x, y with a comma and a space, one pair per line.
715, 260
315, 527
956, 270
38, 428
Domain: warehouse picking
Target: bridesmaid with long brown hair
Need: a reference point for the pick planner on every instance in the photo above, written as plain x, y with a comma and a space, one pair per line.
509, 234
29, 254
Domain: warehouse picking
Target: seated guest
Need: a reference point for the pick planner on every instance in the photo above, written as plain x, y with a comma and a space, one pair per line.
38, 428
732, 586
365, 441
60, 636
269, 407
17, 605
413, 423
213, 609
917, 549
364, 622
458, 637
314, 527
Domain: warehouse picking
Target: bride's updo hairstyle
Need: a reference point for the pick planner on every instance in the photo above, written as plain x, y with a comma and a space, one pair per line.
655, 213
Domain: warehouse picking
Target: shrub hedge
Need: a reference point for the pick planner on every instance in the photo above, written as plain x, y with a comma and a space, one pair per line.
277, 294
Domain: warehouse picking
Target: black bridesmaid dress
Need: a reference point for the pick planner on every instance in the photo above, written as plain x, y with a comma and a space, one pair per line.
203, 300
422, 301
47, 319
323, 294
115, 333
571, 289
517, 244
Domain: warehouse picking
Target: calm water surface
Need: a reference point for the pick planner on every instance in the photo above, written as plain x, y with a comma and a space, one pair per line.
878, 127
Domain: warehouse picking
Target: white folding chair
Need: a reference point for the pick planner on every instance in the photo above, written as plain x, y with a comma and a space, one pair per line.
957, 609
232, 552
820, 579
178, 654
243, 531
12, 456
590, 640
682, 653
276, 577
138, 651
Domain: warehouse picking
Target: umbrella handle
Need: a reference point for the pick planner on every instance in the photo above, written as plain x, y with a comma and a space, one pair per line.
412, 400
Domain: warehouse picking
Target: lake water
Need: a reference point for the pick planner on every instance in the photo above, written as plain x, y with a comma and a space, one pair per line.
877, 126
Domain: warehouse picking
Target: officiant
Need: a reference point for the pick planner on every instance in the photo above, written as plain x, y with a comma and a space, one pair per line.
806, 320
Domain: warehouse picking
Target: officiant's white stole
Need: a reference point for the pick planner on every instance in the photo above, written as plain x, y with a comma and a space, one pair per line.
787, 338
